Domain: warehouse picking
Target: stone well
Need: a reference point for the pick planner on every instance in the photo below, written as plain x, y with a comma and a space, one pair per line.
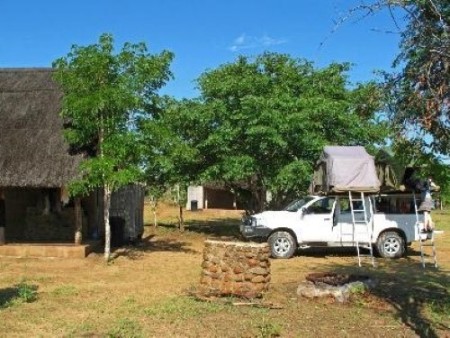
235, 269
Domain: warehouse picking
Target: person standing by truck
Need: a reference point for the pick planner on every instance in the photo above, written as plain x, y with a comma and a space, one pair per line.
427, 203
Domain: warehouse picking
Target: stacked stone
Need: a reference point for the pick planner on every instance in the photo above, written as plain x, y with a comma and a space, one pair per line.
235, 269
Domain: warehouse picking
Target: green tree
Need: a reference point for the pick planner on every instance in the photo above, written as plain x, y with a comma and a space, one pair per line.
261, 123
169, 158
418, 95
410, 153
106, 96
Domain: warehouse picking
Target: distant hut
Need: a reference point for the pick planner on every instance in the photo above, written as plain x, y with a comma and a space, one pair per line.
220, 195
36, 166
210, 196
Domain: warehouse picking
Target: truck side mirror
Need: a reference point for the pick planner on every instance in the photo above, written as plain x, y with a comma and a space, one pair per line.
304, 211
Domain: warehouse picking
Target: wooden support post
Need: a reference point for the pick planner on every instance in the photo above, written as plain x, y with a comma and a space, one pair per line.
78, 221
57, 206
2, 218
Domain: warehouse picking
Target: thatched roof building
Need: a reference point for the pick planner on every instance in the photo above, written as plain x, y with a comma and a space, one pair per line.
33, 152
36, 165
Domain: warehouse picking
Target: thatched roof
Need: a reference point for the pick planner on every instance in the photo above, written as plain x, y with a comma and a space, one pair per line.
33, 152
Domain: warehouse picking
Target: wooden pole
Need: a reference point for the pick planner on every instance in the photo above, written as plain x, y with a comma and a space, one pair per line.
2, 218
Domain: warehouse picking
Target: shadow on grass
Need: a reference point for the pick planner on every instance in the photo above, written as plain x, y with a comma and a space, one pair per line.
7, 296
216, 228
322, 252
20, 293
149, 244
343, 252
170, 239
419, 296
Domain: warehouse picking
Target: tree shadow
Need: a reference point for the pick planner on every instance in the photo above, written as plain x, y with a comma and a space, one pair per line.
419, 296
22, 292
323, 252
215, 228
149, 244
226, 229
7, 296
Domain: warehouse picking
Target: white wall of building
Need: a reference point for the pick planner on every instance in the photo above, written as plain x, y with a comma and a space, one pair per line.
195, 193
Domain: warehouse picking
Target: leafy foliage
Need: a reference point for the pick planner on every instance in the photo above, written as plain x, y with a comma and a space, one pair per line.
106, 97
419, 95
261, 123
422, 94
410, 153
27, 293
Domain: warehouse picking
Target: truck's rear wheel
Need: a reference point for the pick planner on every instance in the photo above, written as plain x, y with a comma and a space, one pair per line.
391, 244
282, 244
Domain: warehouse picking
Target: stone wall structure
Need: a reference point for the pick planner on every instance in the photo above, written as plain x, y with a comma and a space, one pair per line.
235, 269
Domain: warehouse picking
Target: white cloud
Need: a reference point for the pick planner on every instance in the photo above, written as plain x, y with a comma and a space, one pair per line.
244, 41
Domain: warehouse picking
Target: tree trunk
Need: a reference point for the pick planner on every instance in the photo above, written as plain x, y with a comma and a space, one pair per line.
106, 205
78, 221
181, 219
258, 196
154, 205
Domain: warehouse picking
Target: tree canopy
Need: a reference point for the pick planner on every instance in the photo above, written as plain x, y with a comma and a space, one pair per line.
106, 96
418, 96
261, 123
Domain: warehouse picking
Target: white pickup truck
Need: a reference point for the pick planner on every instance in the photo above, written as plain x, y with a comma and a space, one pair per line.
327, 221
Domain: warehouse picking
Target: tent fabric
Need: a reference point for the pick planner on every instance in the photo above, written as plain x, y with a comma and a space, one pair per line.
345, 168
389, 171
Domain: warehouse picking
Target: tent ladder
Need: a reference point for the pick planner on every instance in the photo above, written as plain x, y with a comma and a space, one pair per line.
362, 229
424, 245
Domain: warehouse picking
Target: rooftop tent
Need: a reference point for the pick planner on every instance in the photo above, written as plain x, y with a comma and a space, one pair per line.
390, 172
345, 168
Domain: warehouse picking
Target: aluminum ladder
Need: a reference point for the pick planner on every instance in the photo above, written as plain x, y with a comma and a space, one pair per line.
426, 240
425, 243
360, 219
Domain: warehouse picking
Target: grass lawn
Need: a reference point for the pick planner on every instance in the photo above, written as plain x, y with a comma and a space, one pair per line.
143, 292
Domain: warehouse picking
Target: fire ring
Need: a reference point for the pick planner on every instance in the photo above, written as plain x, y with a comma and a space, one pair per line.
335, 279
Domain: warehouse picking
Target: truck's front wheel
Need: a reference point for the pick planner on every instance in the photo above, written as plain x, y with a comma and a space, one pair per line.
282, 244
391, 244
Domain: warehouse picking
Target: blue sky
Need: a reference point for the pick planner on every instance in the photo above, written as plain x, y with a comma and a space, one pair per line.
203, 34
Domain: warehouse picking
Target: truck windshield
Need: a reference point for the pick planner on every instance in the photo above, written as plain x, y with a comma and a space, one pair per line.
297, 204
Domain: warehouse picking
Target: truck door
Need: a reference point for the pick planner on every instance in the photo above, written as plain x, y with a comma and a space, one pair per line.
345, 225
346, 228
317, 221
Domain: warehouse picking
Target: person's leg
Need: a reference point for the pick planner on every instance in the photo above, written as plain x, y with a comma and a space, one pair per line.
428, 223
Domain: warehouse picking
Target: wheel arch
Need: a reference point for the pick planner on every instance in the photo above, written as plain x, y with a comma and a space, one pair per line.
287, 230
397, 230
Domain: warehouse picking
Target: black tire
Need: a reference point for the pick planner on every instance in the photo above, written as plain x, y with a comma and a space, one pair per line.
282, 245
391, 244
